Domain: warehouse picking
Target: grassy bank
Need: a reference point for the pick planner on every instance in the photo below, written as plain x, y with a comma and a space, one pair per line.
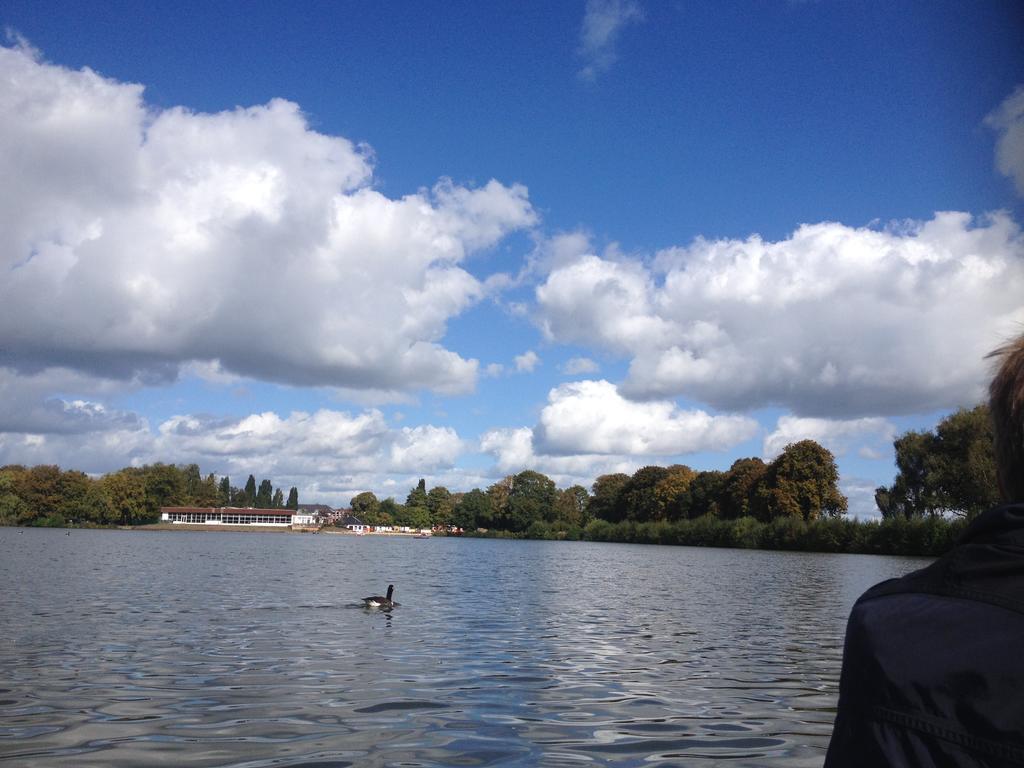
931, 536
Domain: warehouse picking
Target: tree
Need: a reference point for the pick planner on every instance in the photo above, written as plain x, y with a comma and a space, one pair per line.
417, 495
951, 469
671, 491
362, 504
125, 493
705, 495
473, 510
802, 482
604, 502
741, 490
964, 468
40, 489
12, 507
440, 506
390, 512
571, 507
250, 491
293, 498
637, 500
531, 498
165, 487
265, 495
224, 491
278, 501
499, 493
208, 494
192, 479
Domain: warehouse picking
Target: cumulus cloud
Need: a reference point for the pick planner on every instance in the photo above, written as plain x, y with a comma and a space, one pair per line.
576, 366
527, 362
833, 321
592, 417
869, 435
587, 429
1008, 121
513, 451
242, 240
27, 406
603, 22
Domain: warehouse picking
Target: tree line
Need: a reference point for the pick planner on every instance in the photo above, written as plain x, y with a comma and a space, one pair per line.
46, 495
945, 477
802, 482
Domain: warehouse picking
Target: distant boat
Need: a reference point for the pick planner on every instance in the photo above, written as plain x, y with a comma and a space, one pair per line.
422, 536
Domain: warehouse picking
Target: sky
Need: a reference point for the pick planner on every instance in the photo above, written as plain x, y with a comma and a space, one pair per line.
344, 246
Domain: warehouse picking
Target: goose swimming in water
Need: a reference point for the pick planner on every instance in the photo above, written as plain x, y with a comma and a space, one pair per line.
376, 601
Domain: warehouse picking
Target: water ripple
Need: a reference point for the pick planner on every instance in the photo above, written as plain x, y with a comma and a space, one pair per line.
125, 649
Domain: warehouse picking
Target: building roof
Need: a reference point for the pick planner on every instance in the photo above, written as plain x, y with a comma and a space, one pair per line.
231, 510
321, 508
351, 520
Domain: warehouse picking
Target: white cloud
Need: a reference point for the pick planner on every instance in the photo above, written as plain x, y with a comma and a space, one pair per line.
1008, 121
869, 435
592, 417
603, 22
513, 452
833, 321
576, 366
527, 362
242, 241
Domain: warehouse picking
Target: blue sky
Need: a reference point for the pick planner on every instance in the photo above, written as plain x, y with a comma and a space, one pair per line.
344, 246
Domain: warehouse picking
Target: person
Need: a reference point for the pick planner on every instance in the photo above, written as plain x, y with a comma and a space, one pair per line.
933, 664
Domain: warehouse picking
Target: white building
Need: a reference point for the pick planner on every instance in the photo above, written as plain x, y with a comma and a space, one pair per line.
278, 518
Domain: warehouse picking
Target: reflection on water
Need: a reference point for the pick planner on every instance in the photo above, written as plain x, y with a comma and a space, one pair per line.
214, 649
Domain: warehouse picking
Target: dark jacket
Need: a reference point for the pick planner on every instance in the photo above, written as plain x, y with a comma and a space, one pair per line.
933, 667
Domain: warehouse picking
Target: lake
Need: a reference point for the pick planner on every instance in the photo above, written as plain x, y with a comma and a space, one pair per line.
131, 648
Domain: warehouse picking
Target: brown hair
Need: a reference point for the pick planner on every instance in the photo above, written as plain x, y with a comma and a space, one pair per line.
1006, 402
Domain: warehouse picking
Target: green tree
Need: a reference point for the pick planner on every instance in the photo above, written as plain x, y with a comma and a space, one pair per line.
390, 512
604, 501
293, 498
440, 506
278, 500
250, 491
40, 489
571, 507
165, 487
125, 494
950, 469
802, 482
499, 493
964, 468
637, 500
265, 495
473, 511
12, 507
705, 495
193, 480
531, 498
81, 499
208, 494
741, 491
417, 495
363, 504
224, 491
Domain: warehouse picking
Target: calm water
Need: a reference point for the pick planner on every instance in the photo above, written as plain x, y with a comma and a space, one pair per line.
126, 648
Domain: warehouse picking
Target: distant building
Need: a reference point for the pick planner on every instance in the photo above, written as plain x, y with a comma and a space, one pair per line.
318, 514
274, 518
353, 523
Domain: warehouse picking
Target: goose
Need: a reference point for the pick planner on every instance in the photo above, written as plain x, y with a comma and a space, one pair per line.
376, 601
